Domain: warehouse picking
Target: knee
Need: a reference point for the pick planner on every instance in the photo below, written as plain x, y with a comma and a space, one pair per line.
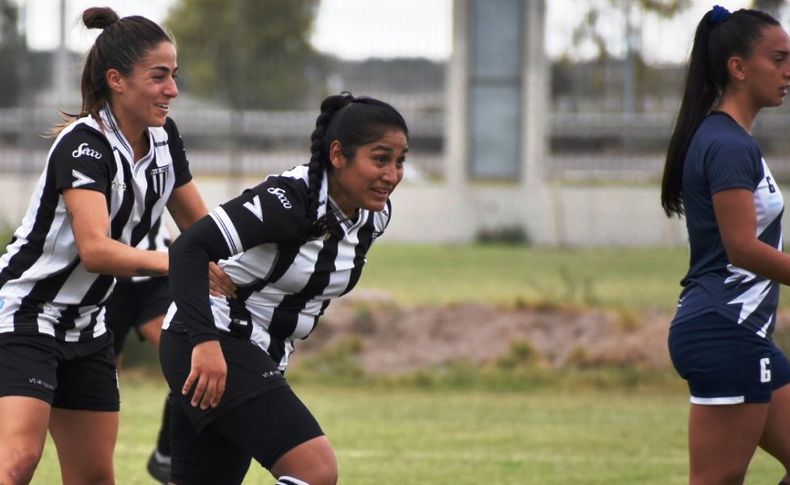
20, 465
722, 476
319, 472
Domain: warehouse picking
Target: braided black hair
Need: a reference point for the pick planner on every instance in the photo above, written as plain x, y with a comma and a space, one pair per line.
353, 122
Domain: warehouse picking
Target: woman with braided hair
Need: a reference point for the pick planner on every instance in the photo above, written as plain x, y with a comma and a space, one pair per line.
715, 175
291, 245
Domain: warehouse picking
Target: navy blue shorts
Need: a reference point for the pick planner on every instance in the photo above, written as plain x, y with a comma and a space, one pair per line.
725, 363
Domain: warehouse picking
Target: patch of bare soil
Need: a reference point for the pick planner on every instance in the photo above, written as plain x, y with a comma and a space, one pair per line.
396, 339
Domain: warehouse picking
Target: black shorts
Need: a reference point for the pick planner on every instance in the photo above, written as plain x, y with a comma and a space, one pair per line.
133, 304
258, 417
67, 375
264, 427
251, 372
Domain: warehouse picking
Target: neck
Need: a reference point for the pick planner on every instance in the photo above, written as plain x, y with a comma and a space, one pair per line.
137, 136
742, 110
349, 209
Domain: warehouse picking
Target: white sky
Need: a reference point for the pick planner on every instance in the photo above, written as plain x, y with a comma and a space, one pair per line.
356, 29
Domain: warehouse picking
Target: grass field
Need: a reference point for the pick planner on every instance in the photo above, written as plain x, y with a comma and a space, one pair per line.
515, 275
411, 436
621, 426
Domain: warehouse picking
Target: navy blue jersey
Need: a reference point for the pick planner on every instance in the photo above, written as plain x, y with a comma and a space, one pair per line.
721, 156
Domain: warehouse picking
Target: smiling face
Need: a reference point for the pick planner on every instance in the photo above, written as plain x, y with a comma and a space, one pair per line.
766, 72
367, 180
142, 98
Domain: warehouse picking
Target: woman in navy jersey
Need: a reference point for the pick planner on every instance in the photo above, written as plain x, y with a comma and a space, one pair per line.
110, 173
291, 245
715, 175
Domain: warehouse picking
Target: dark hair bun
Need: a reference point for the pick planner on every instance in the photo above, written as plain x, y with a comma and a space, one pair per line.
99, 17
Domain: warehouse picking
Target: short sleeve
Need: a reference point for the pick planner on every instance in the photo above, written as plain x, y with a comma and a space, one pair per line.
733, 164
271, 212
82, 159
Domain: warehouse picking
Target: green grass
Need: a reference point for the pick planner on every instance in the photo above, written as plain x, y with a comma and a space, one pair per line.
421, 274
408, 435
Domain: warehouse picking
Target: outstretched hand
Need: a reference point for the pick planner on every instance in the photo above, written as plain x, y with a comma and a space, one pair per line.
208, 374
219, 283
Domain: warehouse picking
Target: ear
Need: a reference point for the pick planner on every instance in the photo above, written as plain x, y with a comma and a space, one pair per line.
114, 80
736, 67
336, 157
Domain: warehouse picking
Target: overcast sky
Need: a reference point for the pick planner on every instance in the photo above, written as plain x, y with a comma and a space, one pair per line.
356, 29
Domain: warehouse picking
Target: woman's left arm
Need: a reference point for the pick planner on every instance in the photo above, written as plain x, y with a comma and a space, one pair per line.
737, 221
186, 206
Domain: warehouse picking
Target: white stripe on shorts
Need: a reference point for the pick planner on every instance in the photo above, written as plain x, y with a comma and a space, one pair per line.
717, 401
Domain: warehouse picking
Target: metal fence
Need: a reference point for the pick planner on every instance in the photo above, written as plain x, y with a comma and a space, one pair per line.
580, 146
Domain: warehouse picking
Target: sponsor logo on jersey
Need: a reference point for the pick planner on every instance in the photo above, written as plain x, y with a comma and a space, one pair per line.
118, 185
84, 149
158, 144
254, 206
80, 179
270, 373
159, 179
280, 194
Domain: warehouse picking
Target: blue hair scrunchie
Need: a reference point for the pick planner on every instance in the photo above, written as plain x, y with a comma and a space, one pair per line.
718, 14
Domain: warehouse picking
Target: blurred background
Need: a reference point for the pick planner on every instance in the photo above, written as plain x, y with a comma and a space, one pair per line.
511, 326
542, 121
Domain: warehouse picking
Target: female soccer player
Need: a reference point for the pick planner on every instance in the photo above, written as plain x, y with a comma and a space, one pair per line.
110, 174
291, 244
715, 175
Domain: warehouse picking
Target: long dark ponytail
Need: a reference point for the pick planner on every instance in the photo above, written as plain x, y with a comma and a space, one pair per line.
719, 36
352, 121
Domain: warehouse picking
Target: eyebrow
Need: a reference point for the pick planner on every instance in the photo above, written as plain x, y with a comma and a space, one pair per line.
387, 148
163, 69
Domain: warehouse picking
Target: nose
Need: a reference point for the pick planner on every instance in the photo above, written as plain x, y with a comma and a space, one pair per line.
171, 89
392, 174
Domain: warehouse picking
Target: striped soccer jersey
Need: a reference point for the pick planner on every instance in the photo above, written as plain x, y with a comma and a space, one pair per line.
284, 281
44, 288
722, 156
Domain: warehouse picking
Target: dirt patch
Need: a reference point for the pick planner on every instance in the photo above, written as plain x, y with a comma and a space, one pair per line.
395, 339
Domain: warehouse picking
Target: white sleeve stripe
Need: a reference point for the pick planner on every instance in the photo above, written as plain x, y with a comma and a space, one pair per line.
227, 228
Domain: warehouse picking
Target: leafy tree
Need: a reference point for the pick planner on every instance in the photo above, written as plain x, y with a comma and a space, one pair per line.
12, 52
252, 54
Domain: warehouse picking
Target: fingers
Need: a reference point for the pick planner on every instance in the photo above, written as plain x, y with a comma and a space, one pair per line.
208, 375
220, 283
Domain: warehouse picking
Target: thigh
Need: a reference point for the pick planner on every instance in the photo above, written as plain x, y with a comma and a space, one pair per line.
23, 427
205, 457
723, 439
85, 441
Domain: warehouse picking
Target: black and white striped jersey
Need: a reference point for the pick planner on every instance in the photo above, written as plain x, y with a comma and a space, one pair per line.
44, 288
285, 280
158, 239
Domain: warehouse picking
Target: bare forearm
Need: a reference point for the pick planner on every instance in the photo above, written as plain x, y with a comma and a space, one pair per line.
118, 259
762, 259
